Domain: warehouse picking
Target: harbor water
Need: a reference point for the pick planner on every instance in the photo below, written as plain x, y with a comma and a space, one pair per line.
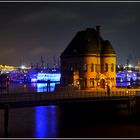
65, 122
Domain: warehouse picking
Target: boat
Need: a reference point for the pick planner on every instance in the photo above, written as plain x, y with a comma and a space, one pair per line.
46, 76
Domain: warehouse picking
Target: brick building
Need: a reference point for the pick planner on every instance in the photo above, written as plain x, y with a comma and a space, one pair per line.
88, 62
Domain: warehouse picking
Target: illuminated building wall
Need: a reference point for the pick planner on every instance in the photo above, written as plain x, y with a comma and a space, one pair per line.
6, 68
88, 61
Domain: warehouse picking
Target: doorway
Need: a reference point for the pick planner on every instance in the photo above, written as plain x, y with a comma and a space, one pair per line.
102, 83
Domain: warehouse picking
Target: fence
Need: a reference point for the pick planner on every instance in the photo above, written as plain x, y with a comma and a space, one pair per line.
59, 95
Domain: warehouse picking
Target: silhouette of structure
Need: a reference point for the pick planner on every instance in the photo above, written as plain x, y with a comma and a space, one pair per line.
88, 62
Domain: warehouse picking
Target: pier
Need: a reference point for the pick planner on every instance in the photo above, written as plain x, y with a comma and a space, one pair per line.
99, 100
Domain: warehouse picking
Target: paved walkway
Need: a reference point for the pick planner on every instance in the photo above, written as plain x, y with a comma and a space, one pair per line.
64, 94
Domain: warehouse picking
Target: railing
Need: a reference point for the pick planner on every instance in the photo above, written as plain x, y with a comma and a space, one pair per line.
58, 95
7, 98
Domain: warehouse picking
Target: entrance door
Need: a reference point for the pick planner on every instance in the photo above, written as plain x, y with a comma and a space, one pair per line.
102, 83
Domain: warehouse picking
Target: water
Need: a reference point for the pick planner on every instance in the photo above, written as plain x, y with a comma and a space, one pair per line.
54, 122
65, 122
29, 87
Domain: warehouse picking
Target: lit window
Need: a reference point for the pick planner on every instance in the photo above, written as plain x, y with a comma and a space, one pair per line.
71, 68
92, 67
96, 67
106, 67
92, 82
112, 67
85, 67
85, 82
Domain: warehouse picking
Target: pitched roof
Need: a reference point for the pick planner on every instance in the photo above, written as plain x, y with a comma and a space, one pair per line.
107, 48
87, 42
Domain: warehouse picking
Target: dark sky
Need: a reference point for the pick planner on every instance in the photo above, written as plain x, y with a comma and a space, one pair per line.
31, 30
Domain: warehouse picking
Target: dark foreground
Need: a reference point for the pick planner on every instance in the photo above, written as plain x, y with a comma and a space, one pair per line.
70, 121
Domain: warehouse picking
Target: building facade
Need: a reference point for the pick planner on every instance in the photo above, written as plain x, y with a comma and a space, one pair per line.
88, 62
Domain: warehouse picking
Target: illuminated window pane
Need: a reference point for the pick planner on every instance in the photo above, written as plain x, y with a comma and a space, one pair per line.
92, 67
112, 67
96, 67
106, 67
85, 82
85, 67
92, 82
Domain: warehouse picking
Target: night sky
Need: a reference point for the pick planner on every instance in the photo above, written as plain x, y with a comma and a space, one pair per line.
31, 30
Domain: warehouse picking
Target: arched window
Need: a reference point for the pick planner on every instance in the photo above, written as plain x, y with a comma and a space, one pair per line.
92, 82
106, 67
85, 67
92, 67
112, 67
71, 67
96, 67
85, 82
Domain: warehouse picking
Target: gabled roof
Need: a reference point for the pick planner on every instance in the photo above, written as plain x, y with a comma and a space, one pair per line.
87, 42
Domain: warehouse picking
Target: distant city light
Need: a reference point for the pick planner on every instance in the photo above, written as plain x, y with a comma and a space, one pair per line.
118, 66
44, 77
22, 67
130, 66
47, 76
121, 76
33, 80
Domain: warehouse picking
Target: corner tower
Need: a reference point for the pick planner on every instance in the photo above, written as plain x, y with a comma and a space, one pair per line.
88, 62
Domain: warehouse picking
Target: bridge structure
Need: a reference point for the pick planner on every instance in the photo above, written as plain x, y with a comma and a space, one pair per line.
121, 99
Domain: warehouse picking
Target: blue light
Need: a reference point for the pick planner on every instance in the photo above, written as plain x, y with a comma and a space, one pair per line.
128, 75
33, 80
46, 122
48, 76
42, 87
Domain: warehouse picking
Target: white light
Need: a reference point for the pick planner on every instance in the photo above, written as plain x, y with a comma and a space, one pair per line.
130, 66
127, 91
47, 76
33, 80
22, 67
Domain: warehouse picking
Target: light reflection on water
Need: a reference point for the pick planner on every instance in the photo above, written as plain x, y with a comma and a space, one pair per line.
46, 122
30, 87
42, 87
46, 117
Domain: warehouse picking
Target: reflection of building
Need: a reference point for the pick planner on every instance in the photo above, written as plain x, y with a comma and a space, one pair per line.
88, 61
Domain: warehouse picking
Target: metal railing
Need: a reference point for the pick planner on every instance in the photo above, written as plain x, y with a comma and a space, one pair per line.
61, 95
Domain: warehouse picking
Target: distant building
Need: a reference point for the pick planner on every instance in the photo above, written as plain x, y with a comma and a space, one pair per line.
88, 61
